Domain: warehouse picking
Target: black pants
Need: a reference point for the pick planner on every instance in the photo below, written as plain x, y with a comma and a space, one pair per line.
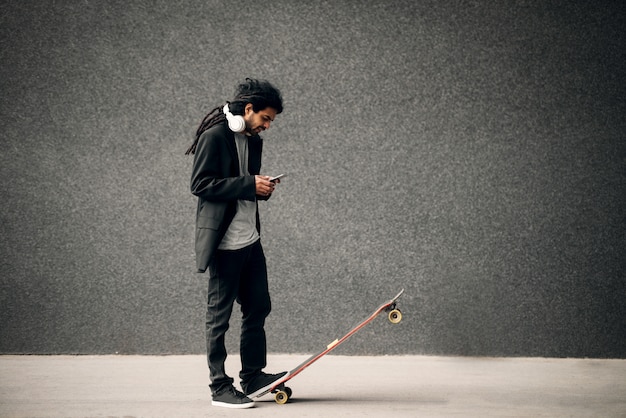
239, 275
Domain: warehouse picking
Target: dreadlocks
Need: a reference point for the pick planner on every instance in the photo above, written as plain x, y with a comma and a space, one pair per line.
258, 92
211, 119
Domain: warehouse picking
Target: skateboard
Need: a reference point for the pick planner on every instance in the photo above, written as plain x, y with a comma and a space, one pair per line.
282, 393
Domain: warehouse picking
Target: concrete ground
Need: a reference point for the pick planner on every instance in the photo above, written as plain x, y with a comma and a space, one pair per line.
411, 386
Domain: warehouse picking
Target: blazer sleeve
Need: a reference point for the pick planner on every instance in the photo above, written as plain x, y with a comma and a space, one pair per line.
215, 174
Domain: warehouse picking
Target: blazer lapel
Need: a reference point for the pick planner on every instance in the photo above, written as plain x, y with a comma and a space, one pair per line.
255, 147
232, 149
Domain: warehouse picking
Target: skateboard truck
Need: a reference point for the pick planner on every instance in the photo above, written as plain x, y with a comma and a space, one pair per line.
282, 394
393, 314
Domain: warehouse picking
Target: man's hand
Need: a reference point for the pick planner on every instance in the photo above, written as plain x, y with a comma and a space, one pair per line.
264, 187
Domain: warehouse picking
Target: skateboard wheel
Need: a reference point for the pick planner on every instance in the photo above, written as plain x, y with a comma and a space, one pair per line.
281, 397
288, 391
395, 316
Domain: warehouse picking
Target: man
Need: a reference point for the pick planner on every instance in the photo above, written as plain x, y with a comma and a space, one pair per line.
226, 180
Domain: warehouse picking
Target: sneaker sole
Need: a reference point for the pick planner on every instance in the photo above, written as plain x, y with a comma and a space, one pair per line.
233, 405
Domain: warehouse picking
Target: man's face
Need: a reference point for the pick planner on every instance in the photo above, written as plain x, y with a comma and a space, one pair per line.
258, 121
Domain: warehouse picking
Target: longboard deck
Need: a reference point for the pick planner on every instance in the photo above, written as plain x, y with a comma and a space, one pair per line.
280, 383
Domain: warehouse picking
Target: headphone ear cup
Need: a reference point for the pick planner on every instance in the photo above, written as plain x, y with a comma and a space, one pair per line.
235, 122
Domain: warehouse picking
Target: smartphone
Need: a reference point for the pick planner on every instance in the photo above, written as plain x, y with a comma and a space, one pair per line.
277, 177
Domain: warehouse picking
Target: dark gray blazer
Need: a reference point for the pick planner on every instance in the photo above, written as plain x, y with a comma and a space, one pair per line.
215, 180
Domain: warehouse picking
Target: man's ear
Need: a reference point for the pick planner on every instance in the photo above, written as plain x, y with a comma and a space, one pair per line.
248, 109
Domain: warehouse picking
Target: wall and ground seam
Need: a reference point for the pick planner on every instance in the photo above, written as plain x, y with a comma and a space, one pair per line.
472, 153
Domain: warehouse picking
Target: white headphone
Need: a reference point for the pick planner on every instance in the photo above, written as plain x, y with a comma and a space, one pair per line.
235, 122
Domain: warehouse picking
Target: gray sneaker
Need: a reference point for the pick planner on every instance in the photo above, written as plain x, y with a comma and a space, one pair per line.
230, 397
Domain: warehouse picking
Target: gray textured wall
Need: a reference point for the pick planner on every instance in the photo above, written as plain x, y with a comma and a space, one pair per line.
470, 152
